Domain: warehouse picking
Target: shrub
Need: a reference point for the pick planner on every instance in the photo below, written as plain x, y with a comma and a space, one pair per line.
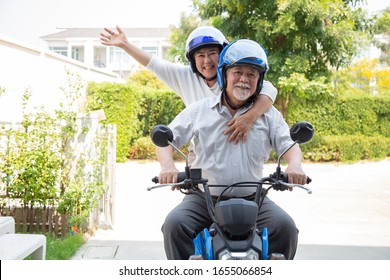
45, 162
135, 110
120, 103
350, 115
142, 148
346, 148
143, 107
158, 107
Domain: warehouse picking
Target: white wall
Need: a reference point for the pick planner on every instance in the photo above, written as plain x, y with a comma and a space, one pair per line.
23, 66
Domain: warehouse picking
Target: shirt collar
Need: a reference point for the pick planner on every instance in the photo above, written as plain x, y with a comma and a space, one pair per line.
217, 101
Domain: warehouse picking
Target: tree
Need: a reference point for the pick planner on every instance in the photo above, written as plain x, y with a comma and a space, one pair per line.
357, 78
302, 37
382, 29
179, 36
145, 77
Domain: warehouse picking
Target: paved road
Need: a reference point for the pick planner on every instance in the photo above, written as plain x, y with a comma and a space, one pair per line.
346, 217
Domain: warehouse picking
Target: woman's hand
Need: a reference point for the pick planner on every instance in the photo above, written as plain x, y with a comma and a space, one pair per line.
239, 128
112, 38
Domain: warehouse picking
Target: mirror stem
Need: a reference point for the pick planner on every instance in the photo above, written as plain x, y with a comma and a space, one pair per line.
278, 170
180, 152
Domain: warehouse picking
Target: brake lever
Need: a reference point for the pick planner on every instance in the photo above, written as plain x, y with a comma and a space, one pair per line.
309, 191
164, 185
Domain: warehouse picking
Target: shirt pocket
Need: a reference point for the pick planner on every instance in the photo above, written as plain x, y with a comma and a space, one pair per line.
258, 144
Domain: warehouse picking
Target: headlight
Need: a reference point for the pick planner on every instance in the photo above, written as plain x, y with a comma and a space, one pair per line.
249, 255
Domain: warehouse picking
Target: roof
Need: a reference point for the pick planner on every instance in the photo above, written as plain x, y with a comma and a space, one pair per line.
94, 33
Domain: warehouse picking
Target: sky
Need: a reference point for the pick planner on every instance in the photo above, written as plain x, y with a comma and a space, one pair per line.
27, 20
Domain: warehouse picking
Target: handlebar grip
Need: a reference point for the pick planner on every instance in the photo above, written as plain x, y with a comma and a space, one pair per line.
284, 177
181, 176
308, 179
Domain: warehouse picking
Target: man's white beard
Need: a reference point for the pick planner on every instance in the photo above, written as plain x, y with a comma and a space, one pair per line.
242, 93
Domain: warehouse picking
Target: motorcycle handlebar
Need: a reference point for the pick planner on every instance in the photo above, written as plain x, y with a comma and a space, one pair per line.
283, 185
181, 176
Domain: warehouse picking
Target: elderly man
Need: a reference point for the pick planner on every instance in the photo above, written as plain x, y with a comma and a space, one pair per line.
241, 70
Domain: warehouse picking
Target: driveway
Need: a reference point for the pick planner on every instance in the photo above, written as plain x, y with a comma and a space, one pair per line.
346, 217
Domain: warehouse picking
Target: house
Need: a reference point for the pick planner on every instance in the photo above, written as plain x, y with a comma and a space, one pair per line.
45, 74
83, 44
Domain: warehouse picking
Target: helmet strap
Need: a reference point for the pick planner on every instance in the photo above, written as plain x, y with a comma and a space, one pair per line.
228, 101
212, 78
204, 78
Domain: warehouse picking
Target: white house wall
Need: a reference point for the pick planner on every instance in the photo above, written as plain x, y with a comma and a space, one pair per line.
44, 72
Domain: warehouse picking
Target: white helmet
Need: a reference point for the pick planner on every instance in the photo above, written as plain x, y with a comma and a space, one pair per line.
239, 52
201, 37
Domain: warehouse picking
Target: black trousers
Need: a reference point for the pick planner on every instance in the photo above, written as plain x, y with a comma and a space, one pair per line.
191, 216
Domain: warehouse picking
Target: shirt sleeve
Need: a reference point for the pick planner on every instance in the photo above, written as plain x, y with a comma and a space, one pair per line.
181, 127
180, 78
279, 132
269, 90
168, 72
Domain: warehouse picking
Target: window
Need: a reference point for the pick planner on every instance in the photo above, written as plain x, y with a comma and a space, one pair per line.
151, 50
78, 53
99, 59
60, 50
118, 55
75, 53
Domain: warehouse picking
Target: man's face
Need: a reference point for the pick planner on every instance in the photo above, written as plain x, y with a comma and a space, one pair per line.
241, 83
206, 61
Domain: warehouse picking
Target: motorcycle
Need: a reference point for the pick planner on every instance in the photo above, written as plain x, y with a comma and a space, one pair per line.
234, 234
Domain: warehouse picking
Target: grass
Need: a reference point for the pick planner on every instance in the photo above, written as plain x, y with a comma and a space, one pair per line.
62, 249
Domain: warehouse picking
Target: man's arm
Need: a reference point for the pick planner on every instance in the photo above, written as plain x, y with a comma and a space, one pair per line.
295, 172
111, 38
168, 173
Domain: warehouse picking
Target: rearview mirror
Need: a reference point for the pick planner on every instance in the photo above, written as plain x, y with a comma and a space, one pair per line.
161, 135
302, 132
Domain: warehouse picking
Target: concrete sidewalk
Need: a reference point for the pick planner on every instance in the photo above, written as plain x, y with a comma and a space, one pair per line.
346, 218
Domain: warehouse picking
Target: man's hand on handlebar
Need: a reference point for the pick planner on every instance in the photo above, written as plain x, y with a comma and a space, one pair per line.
168, 175
296, 175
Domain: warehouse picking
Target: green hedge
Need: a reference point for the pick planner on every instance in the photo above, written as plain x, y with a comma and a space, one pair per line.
357, 115
120, 103
143, 148
158, 107
134, 109
346, 128
346, 148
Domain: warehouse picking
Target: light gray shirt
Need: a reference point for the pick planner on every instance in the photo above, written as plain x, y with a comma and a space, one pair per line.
225, 163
